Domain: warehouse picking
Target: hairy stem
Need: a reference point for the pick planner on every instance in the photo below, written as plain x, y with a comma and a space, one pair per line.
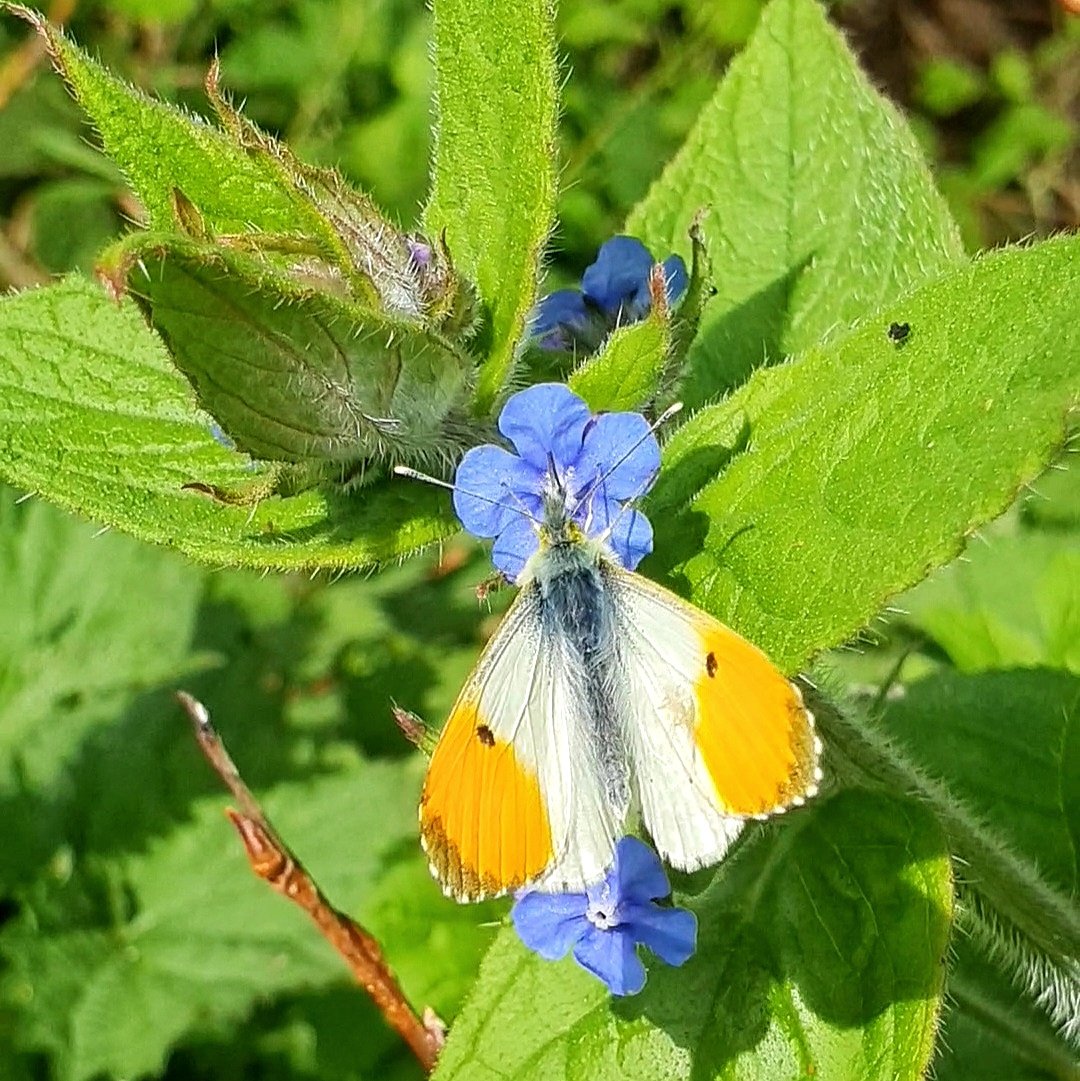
1016, 919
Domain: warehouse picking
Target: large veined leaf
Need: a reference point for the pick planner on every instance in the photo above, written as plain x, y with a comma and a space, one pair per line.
864, 462
815, 203
95, 416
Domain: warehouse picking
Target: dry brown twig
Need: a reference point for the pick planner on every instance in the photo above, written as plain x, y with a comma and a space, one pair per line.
273, 862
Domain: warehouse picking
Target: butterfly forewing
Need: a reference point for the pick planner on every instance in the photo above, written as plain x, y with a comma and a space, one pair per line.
718, 734
511, 796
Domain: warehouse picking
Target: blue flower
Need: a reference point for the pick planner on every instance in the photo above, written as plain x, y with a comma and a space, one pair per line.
614, 291
604, 925
570, 463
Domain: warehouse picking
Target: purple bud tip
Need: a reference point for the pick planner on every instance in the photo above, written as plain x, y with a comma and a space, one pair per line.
419, 252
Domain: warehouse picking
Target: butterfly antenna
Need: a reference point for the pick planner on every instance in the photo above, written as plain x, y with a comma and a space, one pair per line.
414, 474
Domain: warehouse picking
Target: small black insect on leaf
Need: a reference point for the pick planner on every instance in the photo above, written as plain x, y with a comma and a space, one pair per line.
898, 332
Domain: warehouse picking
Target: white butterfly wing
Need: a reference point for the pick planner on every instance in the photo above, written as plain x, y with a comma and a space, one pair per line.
717, 735
511, 796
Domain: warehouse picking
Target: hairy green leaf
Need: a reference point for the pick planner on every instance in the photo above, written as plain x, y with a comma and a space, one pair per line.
95, 417
301, 376
493, 185
818, 206
159, 149
865, 462
627, 370
820, 954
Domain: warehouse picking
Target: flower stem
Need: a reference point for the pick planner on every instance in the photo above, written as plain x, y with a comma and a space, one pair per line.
273, 862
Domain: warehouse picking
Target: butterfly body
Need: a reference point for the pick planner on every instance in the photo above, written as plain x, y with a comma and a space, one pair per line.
600, 695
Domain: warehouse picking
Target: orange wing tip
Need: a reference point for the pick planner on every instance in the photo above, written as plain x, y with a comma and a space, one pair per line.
817, 774
457, 881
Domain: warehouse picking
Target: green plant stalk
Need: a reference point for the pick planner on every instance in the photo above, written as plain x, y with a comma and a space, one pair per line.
1014, 917
1041, 1051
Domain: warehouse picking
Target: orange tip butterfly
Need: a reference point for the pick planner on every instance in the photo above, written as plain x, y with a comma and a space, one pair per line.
602, 696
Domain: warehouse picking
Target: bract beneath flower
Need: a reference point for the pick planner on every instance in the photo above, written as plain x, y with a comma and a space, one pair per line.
603, 926
614, 291
589, 466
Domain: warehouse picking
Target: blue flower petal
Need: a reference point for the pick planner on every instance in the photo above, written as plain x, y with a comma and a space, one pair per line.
611, 956
616, 278
492, 488
550, 923
559, 317
513, 547
671, 933
631, 536
620, 448
639, 875
675, 278
545, 421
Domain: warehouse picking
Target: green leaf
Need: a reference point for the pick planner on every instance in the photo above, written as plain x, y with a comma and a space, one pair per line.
302, 376
1008, 746
1029, 927
627, 370
867, 462
94, 416
818, 205
193, 936
1012, 601
820, 953
992, 1031
493, 183
159, 148
77, 642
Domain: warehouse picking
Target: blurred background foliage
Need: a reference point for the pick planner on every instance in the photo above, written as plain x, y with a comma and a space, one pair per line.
992, 87
97, 772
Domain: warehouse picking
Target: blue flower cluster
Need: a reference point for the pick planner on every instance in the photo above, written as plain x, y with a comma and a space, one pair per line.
604, 926
595, 464
614, 291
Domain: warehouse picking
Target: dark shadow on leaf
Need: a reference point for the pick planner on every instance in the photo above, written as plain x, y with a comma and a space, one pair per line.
680, 483
680, 531
379, 513
732, 344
